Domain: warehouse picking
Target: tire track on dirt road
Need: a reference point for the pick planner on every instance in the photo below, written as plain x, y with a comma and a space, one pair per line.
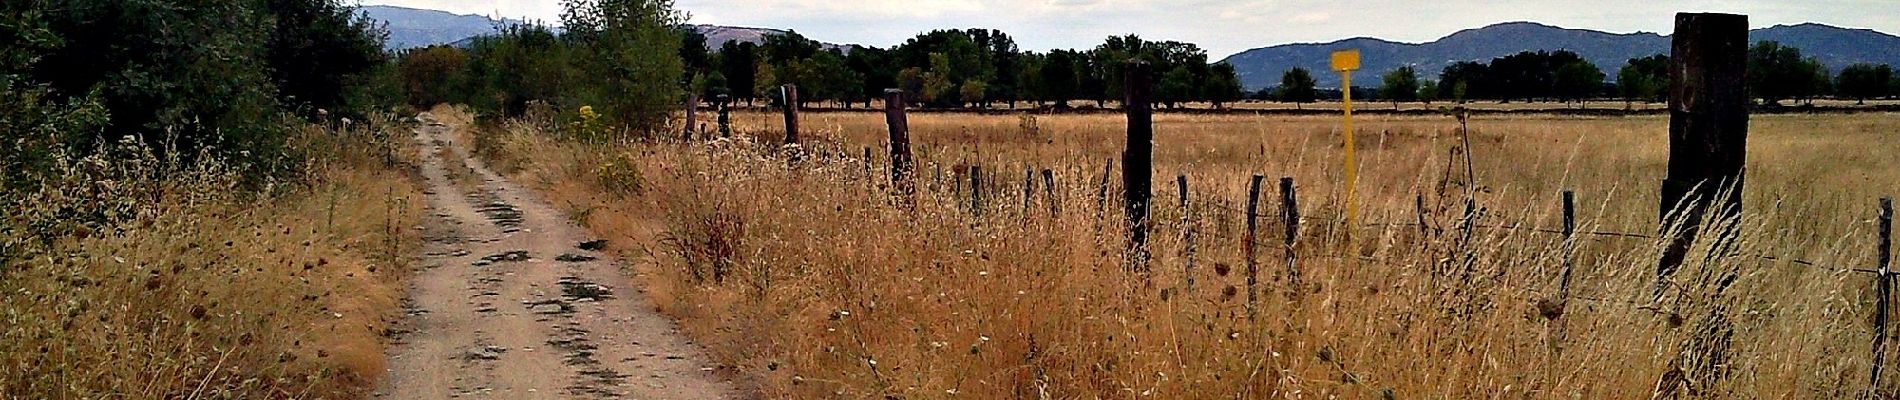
507, 306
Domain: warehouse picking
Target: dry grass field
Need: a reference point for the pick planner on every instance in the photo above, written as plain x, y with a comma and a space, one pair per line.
169, 282
811, 276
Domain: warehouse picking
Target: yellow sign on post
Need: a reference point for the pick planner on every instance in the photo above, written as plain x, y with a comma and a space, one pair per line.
1346, 61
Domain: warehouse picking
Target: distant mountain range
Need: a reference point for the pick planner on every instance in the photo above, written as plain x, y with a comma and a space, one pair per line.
1260, 68
411, 28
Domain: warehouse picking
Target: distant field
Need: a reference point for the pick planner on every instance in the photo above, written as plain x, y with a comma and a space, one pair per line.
832, 289
1380, 106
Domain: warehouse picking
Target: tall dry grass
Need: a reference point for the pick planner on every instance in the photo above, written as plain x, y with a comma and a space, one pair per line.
133, 276
811, 276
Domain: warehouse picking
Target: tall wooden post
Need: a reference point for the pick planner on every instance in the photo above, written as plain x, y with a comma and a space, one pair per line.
1708, 128
789, 93
692, 114
1138, 158
901, 160
1249, 242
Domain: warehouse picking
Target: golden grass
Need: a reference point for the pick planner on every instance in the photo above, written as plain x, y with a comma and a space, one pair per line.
129, 285
832, 289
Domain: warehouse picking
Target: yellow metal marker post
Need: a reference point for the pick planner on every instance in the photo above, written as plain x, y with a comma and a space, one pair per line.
1346, 61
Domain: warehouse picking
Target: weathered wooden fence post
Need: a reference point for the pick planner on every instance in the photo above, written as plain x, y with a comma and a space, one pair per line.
1187, 229
1290, 211
789, 93
1708, 129
901, 161
1554, 311
692, 114
1708, 140
725, 116
1249, 242
1138, 159
1883, 287
1570, 245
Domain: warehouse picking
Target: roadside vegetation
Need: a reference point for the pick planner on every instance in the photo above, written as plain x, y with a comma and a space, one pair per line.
813, 277
205, 199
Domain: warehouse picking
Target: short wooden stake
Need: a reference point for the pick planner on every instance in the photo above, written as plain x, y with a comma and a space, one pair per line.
789, 92
1187, 229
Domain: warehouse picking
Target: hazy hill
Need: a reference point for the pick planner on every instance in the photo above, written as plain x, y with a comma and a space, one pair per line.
1258, 68
410, 28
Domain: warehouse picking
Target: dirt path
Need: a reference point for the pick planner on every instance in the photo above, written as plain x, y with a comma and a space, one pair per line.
508, 306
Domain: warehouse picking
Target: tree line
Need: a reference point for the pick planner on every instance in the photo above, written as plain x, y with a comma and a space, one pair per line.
218, 77
969, 68
1776, 73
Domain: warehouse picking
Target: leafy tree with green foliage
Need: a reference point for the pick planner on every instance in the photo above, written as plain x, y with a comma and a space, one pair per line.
972, 92
872, 65
911, 81
1893, 87
188, 74
1400, 85
1643, 79
696, 58
1820, 81
1176, 86
1777, 72
629, 50
1428, 91
180, 76
431, 75
1578, 81
1298, 87
318, 51
1005, 64
523, 64
764, 80
1861, 81
938, 87
1222, 86
1090, 84
737, 61
783, 48
1528, 75
716, 84
1059, 82
1473, 78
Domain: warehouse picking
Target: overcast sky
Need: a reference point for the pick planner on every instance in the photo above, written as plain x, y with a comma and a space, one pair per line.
1223, 27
